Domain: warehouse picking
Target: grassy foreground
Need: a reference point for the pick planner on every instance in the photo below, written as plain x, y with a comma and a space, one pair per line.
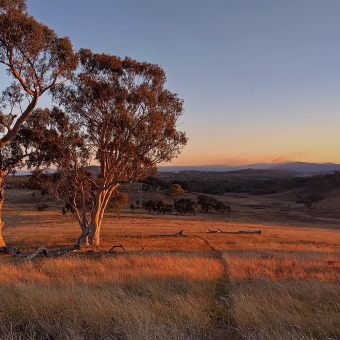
282, 284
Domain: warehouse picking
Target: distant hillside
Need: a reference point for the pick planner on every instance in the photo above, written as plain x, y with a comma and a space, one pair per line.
290, 166
308, 167
298, 167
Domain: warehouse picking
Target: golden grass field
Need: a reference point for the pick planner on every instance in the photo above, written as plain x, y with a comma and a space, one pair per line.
282, 284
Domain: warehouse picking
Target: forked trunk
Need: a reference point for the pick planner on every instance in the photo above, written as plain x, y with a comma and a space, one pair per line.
97, 215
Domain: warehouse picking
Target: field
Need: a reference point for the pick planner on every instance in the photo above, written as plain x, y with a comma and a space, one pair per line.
282, 284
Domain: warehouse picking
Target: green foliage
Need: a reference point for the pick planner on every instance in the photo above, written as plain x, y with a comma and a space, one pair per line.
174, 191
154, 183
159, 206
208, 203
221, 207
184, 206
205, 202
317, 183
42, 206
118, 201
35, 57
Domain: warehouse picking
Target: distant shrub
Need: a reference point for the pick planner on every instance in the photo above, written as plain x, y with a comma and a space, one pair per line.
42, 206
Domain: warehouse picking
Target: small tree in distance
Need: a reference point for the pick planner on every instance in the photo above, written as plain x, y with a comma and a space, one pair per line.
175, 190
118, 201
208, 203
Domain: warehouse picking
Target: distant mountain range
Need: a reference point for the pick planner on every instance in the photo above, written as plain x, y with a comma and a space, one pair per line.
289, 166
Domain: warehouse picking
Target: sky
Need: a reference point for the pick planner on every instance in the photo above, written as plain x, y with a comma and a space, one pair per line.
260, 79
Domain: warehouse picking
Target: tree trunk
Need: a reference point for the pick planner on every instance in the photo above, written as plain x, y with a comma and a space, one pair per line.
94, 235
84, 236
2, 198
97, 215
2, 241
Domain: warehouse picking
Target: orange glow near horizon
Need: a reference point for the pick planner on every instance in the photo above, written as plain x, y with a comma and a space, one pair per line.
189, 159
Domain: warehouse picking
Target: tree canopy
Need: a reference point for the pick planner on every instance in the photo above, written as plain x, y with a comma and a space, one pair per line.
118, 113
37, 60
35, 57
175, 190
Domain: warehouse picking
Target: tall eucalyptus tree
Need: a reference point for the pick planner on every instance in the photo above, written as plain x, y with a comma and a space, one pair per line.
37, 60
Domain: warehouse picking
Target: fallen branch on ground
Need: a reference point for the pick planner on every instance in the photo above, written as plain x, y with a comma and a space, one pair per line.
180, 233
218, 230
258, 232
110, 251
38, 250
132, 236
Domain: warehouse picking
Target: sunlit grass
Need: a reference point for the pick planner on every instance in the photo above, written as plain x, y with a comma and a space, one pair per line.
132, 297
282, 284
286, 296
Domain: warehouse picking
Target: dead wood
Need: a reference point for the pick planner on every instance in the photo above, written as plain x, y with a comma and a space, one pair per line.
240, 232
124, 251
10, 250
132, 236
38, 250
178, 234
111, 249
218, 230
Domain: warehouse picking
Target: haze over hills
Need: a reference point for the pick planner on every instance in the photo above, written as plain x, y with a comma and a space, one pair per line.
289, 166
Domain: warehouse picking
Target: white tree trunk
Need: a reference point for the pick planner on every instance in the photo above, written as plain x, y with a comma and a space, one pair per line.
2, 241
94, 235
102, 200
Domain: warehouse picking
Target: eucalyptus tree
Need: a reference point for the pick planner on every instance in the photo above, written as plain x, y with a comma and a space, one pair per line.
175, 190
37, 60
128, 124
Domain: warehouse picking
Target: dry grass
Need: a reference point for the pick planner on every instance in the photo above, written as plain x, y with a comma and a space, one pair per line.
280, 266
266, 309
282, 284
286, 296
134, 297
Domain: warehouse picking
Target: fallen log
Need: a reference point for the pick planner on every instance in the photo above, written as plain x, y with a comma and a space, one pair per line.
258, 232
218, 230
240, 232
178, 234
38, 250
132, 236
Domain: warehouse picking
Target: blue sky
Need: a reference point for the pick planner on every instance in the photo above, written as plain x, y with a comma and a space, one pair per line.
260, 79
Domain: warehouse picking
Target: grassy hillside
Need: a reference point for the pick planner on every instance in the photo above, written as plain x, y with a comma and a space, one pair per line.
282, 284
